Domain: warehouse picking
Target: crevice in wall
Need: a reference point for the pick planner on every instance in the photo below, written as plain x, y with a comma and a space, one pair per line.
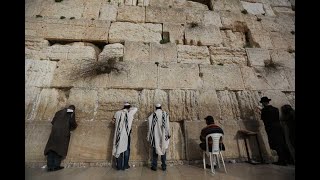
98, 44
205, 2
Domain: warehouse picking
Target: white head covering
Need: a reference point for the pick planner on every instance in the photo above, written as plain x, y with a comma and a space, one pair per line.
127, 104
158, 105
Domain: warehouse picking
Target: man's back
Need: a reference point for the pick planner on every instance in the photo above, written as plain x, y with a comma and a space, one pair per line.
269, 115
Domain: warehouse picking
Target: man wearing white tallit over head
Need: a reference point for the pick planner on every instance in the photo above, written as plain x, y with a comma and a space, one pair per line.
158, 136
121, 140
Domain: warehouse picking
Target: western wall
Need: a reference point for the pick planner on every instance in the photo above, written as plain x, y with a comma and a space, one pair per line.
196, 58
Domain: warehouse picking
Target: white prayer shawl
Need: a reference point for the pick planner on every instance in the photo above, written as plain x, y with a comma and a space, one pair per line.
159, 131
122, 130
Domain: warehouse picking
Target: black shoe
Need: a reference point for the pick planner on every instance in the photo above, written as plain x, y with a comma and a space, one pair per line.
153, 168
50, 169
58, 168
280, 163
127, 167
164, 168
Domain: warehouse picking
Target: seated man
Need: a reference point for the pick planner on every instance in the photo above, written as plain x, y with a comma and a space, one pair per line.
209, 129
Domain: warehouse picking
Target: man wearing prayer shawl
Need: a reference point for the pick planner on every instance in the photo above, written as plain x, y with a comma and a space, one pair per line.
121, 140
158, 136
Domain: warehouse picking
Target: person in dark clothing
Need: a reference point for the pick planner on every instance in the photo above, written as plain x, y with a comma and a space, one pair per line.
209, 129
288, 117
57, 146
276, 138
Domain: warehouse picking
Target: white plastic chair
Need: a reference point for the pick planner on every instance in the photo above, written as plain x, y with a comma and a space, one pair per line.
215, 151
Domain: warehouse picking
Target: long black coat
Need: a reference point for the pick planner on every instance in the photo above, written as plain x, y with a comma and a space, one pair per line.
270, 118
62, 124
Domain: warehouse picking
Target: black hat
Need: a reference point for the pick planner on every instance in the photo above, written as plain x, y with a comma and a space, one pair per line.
265, 99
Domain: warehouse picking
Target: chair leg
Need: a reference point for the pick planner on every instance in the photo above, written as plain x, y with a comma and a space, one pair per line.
211, 163
224, 166
217, 160
204, 160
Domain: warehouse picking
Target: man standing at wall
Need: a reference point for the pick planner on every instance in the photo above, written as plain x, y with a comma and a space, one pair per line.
276, 138
57, 146
158, 136
121, 140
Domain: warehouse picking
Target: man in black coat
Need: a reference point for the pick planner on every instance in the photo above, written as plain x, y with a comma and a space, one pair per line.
276, 138
58, 142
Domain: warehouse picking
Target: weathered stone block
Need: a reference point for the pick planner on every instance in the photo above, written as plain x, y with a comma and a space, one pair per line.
111, 51
163, 52
291, 98
108, 12
192, 138
183, 105
176, 32
233, 39
229, 105
86, 102
160, 3
195, 5
31, 94
209, 104
179, 76
176, 150
258, 56
278, 98
112, 100
283, 58
227, 76
36, 137
262, 78
227, 5
248, 102
283, 10
193, 54
136, 51
232, 20
223, 55
165, 15
268, 9
47, 104
261, 39
211, 18
194, 16
131, 14
203, 35
125, 31
39, 73
270, 24
253, 8
290, 74
277, 41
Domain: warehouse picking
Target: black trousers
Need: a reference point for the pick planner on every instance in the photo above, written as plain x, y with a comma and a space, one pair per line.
53, 160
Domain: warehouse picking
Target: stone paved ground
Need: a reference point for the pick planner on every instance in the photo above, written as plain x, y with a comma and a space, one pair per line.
183, 172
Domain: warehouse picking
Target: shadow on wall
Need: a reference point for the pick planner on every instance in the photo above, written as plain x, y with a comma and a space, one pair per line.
205, 2
143, 147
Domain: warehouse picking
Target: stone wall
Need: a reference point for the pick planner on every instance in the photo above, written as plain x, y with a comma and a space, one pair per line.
197, 58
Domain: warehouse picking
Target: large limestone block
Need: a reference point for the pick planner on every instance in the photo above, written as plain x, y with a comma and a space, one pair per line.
290, 40
233, 39
228, 105
47, 104
179, 76
227, 5
160, 3
117, 2
195, 5
163, 52
130, 2
278, 41
252, 24
108, 12
258, 56
209, 104
91, 141
31, 94
128, 75
165, 15
35, 48
32, 8
286, 22
194, 16
112, 100
211, 18
176, 32
268, 9
139, 145
192, 137
148, 100
193, 54
270, 24
125, 31
279, 3
136, 51
86, 102
283, 58
262, 78
92, 9
227, 76
248, 102
290, 74
177, 146
232, 20
234, 147
203, 35
223, 55
39, 72
278, 98
131, 14
183, 105
111, 51
261, 39
68, 29
66, 8
36, 137
291, 98
253, 8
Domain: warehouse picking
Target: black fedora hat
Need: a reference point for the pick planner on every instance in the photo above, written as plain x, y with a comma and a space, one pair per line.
265, 99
